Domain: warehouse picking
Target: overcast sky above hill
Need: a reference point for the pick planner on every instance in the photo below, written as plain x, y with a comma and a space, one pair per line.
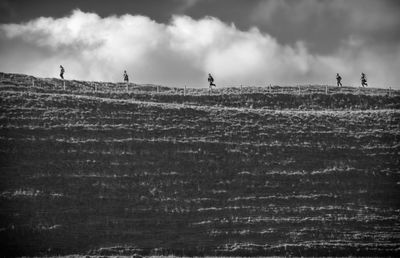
177, 42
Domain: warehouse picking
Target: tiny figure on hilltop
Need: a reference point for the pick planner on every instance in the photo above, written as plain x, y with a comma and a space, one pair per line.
211, 81
363, 80
126, 78
339, 80
62, 72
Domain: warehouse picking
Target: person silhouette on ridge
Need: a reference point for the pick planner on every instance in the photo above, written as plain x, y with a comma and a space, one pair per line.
339, 80
62, 72
363, 80
211, 81
126, 78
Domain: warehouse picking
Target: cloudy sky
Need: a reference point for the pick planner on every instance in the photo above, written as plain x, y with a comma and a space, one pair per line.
178, 42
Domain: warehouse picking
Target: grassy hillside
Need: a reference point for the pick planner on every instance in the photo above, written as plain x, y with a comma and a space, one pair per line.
306, 97
111, 172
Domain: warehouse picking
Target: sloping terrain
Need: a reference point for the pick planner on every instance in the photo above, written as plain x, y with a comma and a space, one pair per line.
158, 171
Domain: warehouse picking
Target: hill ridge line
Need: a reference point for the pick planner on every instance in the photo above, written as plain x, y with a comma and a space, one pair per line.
182, 87
199, 107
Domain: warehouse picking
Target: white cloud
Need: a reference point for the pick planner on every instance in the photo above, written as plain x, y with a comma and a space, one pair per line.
181, 52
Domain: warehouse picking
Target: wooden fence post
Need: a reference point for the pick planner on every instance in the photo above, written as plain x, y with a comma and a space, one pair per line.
64, 84
326, 89
184, 91
33, 82
269, 88
241, 89
158, 88
299, 89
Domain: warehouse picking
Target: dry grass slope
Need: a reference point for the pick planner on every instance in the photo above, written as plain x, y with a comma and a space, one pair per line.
154, 171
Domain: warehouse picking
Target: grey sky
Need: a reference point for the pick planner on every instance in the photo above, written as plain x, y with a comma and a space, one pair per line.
321, 23
329, 28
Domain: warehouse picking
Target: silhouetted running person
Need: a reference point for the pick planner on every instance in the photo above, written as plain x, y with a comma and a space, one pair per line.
62, 72
126, 78
363, 80
339, 80
211, 81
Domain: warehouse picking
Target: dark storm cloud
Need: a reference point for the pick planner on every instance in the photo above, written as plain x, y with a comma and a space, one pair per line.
159, 10
323, 24
6, 12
